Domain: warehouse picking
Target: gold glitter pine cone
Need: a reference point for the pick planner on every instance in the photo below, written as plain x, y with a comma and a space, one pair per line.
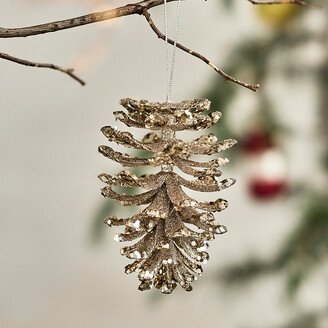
168, 251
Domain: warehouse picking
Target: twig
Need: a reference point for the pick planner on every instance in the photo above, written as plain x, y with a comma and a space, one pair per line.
253, 87
68, 71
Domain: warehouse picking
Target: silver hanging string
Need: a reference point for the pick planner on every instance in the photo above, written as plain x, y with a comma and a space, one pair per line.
168, 134
167, 79
169, 72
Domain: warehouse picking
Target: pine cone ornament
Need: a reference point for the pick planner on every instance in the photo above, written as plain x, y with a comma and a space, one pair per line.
172, 230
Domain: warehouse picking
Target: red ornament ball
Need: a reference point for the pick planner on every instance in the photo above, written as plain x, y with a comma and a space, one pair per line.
266, 189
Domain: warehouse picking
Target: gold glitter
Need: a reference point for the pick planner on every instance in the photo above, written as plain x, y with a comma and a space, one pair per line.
169, 251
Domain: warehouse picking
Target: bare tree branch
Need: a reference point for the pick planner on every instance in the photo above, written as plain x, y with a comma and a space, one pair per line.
140, 8
68, 71
253, 87
127, 10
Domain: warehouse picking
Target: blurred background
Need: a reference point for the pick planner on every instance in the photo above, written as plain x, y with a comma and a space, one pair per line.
59, 265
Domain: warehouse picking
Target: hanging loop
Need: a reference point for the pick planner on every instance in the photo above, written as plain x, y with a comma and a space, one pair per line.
169, 70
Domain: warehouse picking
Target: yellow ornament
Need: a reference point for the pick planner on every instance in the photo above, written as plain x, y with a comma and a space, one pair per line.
277, 15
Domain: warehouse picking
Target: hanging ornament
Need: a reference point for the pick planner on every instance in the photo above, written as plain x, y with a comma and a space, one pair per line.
277, 16
168, 251
268, 178
267, 166
266, 163
172, 230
